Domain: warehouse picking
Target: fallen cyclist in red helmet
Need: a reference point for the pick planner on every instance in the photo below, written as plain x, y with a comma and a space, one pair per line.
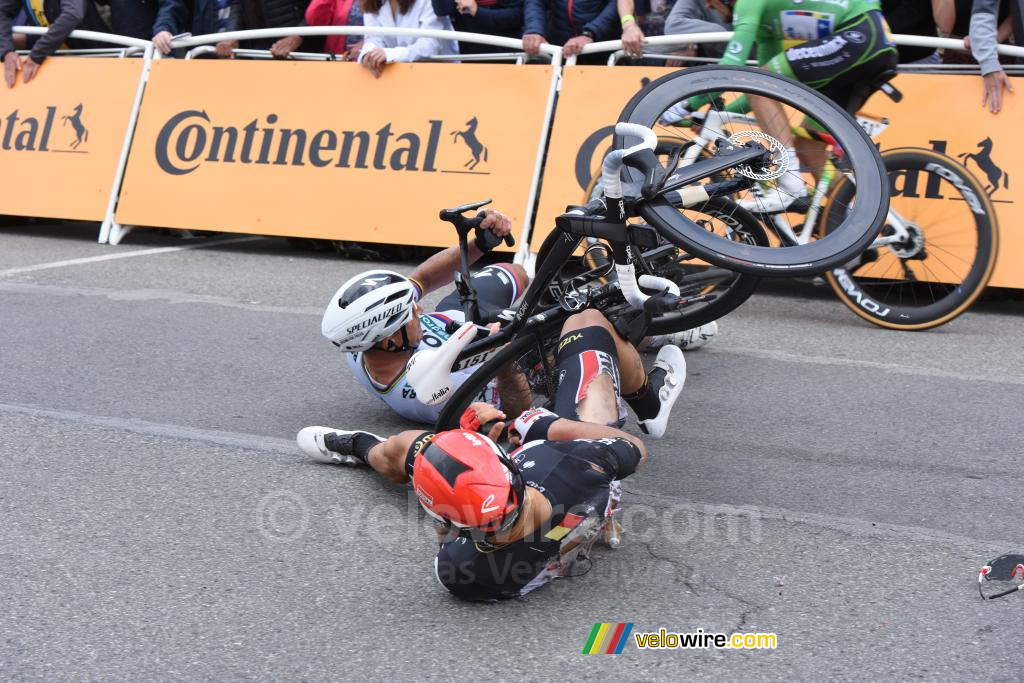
503, 520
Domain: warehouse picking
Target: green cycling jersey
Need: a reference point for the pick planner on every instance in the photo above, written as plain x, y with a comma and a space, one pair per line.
776, 25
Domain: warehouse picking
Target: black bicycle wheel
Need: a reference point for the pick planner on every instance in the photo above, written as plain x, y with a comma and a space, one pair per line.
945, 262
724, 290
799, 105
529, 353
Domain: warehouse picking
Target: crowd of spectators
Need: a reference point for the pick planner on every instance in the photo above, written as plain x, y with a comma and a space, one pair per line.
980, 24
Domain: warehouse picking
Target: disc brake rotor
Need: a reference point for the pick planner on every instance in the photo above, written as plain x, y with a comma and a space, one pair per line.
779, 158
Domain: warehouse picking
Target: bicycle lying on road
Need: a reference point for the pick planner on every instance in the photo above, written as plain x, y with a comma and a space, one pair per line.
936, 250
651, 292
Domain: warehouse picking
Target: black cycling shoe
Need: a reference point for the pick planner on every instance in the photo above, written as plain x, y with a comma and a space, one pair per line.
337, 446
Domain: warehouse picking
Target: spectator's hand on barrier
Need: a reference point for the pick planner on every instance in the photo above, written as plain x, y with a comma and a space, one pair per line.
532, 43
574, 46
12, 65
352, 53
284, 47
993, 95
688, 51
496, 222
633, 40
374, 60
29, 67
466, 7
225, 49
162, 42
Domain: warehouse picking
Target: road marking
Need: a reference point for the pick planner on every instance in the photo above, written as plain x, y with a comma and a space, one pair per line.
126, 254
170, 296
896, 368
234, 439
288, 447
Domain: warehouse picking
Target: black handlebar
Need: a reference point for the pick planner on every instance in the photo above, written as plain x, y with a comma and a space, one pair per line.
464, 224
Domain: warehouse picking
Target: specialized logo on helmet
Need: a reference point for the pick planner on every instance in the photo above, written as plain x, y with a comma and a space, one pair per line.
374, 319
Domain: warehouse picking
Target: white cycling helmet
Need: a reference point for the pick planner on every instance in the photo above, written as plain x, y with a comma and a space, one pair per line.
368, 308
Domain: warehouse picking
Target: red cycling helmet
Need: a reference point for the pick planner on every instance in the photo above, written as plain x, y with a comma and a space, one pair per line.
464, 479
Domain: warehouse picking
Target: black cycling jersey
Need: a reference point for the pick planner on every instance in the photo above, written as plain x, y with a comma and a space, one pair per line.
575, 477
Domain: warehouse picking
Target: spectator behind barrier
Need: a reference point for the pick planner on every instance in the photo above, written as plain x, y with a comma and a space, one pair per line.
641, 19
246, 15
983, 38
338, 13
21, 41
381, 50
61, 17
699, 16
571, 24
198, 17
957, 24
918, 18
133, 18
490, 17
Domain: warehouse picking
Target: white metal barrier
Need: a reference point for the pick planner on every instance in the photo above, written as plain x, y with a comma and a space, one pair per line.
111, 232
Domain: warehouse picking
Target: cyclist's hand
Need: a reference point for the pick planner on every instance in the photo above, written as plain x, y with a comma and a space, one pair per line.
496, 222
574, 46
481, 413
532, 43
633, 40
162, 42
993, 95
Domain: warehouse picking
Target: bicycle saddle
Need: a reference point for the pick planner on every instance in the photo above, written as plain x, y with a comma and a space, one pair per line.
429, 371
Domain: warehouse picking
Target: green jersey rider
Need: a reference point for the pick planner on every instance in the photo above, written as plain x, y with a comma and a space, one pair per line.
829, 45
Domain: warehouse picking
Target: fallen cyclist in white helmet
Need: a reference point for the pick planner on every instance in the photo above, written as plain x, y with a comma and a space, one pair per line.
514, 512
376, 318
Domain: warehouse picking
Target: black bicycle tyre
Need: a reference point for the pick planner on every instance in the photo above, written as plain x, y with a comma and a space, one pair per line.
958, 299
467, 392
850, 238
737, 292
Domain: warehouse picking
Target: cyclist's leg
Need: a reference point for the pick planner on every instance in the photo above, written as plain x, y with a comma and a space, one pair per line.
856, 52
497, 287
595, 366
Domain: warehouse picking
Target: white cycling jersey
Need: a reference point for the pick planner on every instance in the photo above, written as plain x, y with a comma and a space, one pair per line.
400, 395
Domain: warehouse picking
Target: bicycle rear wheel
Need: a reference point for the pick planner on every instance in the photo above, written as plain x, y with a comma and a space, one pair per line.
530, 354
861, 217
945, 263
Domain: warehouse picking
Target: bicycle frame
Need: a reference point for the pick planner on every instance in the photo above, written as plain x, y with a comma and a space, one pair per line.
712, 128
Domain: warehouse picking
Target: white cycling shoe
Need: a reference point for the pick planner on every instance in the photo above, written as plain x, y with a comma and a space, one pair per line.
333, 446
687, 340
674, 114
669, 386
775, 199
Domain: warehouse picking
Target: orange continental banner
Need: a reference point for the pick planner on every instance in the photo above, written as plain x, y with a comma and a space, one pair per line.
325, 150
928, 116
62, 133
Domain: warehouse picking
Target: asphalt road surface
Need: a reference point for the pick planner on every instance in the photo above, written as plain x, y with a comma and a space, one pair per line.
832, 483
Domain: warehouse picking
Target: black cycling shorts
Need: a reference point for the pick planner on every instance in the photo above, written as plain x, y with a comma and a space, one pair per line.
496, 289
582, 356
857, 52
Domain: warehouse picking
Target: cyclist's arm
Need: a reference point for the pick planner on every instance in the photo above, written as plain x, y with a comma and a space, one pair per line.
541, 424
388, 458
439, 270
